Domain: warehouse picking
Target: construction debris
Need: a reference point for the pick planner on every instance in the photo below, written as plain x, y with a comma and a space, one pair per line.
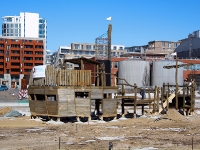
8, 112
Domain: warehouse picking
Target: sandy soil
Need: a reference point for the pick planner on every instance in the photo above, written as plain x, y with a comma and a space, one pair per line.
170, 131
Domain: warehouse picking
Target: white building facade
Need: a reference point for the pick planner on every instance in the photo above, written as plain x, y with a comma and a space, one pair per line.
26, 25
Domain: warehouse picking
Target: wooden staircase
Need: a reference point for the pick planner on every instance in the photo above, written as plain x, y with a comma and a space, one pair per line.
170, 98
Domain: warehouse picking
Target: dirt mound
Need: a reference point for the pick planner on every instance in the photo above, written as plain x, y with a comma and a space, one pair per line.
5, 110
173, 114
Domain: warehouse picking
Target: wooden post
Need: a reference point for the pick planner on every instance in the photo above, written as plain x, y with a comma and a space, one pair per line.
176, 82
142, 110
82, 65
98, 76
135, 100
162, 97
158, 99
122, 105
154, 104
164, 88
167, 100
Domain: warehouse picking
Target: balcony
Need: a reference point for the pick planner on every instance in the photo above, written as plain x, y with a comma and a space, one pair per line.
15, 48
28, 55
14, 67
28, 61
14, 55
29, 49
15, 60
14, 73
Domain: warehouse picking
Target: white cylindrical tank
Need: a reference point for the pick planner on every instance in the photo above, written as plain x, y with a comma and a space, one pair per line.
161, 75
134, 71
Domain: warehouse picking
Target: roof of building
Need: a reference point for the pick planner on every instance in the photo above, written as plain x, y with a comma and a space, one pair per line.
185, 45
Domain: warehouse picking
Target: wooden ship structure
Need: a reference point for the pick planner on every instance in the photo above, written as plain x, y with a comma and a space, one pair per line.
69, 93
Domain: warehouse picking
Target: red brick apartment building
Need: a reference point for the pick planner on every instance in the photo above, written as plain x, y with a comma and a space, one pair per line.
189, 70
18, 55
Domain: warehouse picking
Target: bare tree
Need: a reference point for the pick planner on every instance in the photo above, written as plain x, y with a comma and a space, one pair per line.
146, 77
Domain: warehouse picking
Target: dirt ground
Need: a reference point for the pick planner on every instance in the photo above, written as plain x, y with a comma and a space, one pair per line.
170, 131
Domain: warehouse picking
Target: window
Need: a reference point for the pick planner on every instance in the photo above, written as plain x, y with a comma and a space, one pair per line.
16, 25
114, 47
163, 44
12, 25
120, 48
8, 47
88, 47
7, 58
64, 50
100, 47
80, 52
16, 30
170, 45
116, 64
175, 45
76, 46
19, 25
91, 53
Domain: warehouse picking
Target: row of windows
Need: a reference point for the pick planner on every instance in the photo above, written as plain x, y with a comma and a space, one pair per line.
18, 35
65, 50
169, 45
193, 67
25, 46
42, 21
83, 53
11, 25
120, 48
15, 31
42, 26
41, 36
42, 31
17, 64
92, 47
88, 47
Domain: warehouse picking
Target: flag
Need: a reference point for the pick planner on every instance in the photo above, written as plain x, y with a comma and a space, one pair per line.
109, 18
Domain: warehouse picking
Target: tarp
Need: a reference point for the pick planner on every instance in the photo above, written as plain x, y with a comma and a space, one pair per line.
12, 113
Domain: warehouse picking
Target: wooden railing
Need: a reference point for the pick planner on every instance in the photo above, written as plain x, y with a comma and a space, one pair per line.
59, 77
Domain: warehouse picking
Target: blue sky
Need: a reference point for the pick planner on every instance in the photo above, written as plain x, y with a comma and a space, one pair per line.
135, 22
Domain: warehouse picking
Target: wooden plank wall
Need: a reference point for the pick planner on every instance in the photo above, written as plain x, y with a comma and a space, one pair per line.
109, 107
83, 107
66, 102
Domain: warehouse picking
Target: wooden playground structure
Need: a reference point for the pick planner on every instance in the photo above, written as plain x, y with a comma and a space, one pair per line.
68, 93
